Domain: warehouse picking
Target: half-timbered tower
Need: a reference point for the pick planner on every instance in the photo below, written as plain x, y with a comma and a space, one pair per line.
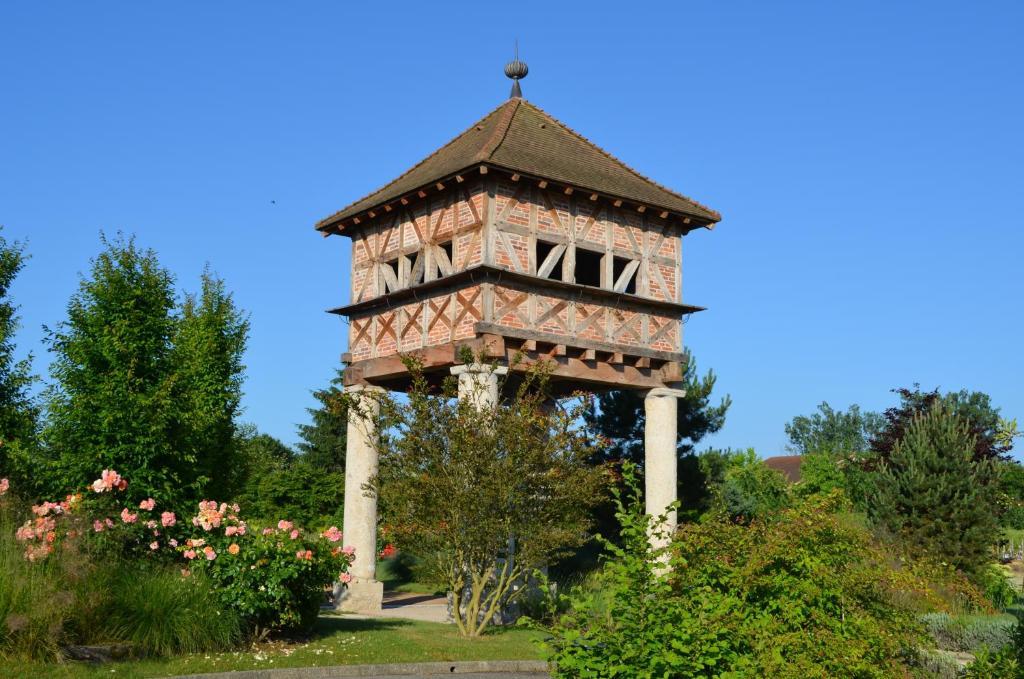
517, 236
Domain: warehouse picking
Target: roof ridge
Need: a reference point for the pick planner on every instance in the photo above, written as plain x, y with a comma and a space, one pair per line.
504, 124
441, 148
608, 155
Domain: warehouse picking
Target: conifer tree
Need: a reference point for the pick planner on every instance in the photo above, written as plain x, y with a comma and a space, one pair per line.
323, 440
934, 493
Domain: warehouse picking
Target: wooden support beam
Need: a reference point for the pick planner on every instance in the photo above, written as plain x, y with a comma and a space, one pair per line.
557, 350
421, 193
664, 214
405, 201
387, 208
643, 362
440, 186
355, 220
686, 220
542, 184
641, 209
515, 177
593, 196
568, 190
589, 354
529, 345
616, 358
459, 178
372, 214
617, 203
483, 169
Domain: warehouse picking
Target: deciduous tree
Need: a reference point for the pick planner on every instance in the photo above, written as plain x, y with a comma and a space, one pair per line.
484, 496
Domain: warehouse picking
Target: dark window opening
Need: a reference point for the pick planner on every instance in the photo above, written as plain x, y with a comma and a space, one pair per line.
393, 265
619, 265
449, 249
543, 250
588, 267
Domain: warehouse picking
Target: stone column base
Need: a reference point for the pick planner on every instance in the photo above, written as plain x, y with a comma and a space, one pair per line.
362, 596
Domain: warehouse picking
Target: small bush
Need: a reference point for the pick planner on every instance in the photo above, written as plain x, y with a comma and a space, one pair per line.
997, 587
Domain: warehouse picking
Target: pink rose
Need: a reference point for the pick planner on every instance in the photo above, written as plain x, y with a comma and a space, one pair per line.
294, 534
190, 554
4, 485
210, 554
127, 516
97, 526
268, 531
110, 524
284, 525
147, 504
154, 545
348, 551
173, 542
345, 578
333, 534
230, 530
151, 524
167, 519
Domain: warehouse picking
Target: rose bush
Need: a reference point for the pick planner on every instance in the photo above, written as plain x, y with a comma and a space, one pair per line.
273, 577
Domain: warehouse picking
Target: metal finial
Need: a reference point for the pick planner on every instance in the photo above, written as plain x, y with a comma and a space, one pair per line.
516, 70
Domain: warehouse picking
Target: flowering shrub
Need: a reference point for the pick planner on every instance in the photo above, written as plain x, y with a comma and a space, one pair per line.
273, 577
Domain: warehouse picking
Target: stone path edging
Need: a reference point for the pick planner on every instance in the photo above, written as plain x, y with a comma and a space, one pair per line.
422, 669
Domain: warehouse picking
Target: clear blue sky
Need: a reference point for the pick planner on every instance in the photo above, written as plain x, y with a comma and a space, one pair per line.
867, 158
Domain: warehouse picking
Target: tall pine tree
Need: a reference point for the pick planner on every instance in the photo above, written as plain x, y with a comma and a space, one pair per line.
936, 494
323, 440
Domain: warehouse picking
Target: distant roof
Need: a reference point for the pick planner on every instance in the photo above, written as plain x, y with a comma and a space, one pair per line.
520, 137
789, 465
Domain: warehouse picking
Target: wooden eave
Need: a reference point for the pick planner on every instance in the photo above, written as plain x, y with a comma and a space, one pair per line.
520, 281
685, 222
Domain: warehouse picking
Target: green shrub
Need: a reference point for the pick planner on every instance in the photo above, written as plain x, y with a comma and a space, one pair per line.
997, 587
750, 489
1002, 664
273, 578
802, 595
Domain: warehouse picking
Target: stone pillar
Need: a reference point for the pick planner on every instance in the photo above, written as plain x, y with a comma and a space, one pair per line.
364, 593
660, 456
479, 383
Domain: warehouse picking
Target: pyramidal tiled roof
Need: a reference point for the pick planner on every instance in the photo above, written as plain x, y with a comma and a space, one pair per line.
520, 137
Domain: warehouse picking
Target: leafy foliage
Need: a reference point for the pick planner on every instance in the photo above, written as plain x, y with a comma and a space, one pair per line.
804, 595
18, 411
208, 346
273, 481
974, 408
749, 489
484, 493
936, 494
141, 387
833, 431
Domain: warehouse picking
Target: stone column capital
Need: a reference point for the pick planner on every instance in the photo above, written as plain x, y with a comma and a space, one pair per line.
364, 388
662, 392
479, 369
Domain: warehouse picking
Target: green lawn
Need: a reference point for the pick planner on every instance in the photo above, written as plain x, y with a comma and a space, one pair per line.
339, 641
